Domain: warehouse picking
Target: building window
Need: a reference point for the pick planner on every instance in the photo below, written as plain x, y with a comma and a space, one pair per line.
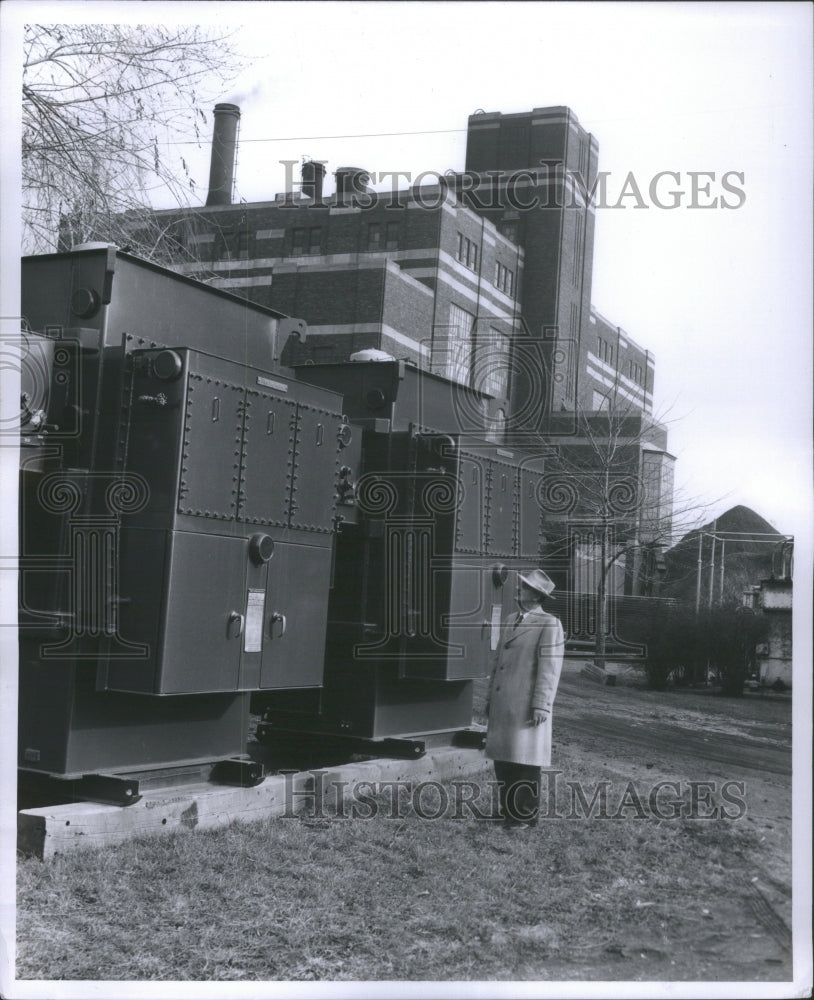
299, 241
383, 237
604, 350
657, 499
452, 346
374, 236
467, 252
636, 372
392, 233
306, 241
492, 363
576, 269
504, 278
243, 245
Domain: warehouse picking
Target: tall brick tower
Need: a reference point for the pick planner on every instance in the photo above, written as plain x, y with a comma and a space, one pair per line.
529, 173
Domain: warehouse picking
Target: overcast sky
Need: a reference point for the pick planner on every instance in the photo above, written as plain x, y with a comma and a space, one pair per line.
721, 296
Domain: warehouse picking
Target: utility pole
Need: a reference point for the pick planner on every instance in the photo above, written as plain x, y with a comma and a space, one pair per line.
712, 564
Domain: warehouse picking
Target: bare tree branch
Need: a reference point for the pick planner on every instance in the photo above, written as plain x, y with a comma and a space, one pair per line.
101, 102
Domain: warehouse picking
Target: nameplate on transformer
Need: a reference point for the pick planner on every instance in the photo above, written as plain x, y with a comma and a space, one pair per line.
270, 383
253, 634
494, 635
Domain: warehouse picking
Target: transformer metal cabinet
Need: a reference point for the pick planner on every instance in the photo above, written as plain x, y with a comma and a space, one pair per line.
420, 581
179, 493
224, 574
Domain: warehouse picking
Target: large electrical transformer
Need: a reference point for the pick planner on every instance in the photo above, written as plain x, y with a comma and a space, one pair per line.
207, 535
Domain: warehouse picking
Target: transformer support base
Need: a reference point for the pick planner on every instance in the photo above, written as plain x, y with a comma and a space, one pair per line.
54, 830
403, 747
128, 787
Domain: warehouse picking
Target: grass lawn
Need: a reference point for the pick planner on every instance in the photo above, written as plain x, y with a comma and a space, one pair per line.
406, 898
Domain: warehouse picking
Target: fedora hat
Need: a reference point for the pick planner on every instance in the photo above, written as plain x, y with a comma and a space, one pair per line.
537, 580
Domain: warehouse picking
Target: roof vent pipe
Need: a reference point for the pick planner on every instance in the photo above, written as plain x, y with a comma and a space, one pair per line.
313, 174
224, 145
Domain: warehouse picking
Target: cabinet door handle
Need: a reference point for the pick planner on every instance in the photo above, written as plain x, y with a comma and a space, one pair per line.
277, 617
236, 616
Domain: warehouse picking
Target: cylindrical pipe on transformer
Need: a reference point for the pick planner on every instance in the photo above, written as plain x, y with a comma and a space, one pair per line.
224, 144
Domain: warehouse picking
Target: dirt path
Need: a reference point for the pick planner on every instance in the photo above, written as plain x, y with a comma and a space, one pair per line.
626, 733
621, 716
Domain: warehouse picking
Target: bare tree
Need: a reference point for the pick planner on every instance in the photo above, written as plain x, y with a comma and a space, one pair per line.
608, 497
107, 109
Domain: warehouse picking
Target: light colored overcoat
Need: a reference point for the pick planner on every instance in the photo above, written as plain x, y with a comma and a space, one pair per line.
526, 670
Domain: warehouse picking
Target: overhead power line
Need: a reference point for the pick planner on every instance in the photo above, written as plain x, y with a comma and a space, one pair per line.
311, 138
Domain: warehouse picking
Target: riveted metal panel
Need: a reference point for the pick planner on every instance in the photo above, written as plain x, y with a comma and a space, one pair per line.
531, 519
469, 526
269, 431
213, 429
501, 509
452, 642
316, 469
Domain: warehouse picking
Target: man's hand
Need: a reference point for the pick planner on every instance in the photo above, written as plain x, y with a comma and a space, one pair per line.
538, 716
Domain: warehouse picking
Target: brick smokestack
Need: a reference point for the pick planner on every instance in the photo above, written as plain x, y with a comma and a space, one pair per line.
313, 174
224, 145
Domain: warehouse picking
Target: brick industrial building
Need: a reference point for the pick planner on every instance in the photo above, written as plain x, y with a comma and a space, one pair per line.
484, 278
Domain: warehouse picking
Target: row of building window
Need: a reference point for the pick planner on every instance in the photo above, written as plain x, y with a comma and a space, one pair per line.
635, 372
504, 278
308, 241
383, 236
604, 349
467, 252
305, 241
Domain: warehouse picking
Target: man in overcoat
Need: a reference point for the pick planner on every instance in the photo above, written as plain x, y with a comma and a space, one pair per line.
526, 670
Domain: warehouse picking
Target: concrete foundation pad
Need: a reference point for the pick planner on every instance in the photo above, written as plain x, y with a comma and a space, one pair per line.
53, 830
